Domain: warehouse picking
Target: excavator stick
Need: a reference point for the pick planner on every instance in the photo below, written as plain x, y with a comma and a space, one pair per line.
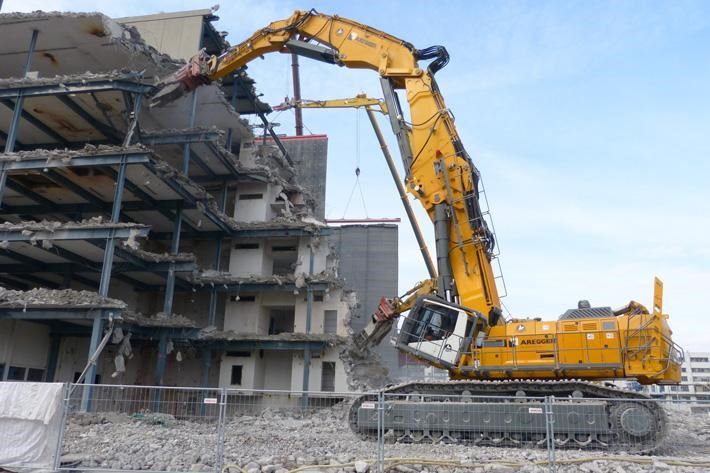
188, 78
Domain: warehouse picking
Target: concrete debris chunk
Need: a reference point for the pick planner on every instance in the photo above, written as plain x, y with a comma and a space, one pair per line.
41, 297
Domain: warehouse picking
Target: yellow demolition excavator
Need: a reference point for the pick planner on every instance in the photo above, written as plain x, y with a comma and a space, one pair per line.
454, 319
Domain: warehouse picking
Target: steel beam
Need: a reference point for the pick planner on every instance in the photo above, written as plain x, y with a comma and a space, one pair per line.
89, 160
202, 165
60, 89
106, 130
27, 192
77, 267
11, 283
267, 125
82, 192
133, 206
155, 204
179, 137
219, 153
246, 345
182, 192
249, 287
37, 123
76, 233
58, 313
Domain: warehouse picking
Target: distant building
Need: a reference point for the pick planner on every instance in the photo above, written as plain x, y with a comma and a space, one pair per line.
695, 380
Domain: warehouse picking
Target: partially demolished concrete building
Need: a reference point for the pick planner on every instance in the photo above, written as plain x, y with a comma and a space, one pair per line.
192, 250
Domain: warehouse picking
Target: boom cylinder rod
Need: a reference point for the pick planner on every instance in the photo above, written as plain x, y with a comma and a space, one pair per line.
403, 195
441, 234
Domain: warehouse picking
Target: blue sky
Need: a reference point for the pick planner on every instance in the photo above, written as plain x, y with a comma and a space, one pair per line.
590, 122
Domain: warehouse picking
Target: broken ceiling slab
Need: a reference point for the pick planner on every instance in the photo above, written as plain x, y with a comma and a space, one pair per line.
182, 136
65, 110
157, 320
41, 297
45, 182
70, 43
70, 83
211, 334
230, 340
149, 257
227, 282
212, 110
88, 156
85, 230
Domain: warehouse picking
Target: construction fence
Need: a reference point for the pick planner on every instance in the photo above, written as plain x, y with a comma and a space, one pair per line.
138, 428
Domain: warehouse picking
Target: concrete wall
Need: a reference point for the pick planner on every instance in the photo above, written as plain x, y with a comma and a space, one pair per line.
176, 34
310, 157
73, 353
316, 372
23, 345
257, 202
369, 265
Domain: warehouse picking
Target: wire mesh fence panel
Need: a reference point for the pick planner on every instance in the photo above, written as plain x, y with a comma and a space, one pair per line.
272, 430
141, 428
192, 429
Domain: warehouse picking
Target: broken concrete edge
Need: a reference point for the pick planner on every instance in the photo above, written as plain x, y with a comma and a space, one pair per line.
160, 319
151, 134
66, 298
67, 155
211, 333
206, 201
158, 257
212, 277
52, 226
118, 33
69, 80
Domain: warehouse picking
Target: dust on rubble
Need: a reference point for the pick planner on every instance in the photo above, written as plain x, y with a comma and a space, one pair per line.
276, 434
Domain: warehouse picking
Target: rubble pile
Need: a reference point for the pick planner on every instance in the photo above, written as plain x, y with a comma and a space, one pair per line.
279, 439
52, 297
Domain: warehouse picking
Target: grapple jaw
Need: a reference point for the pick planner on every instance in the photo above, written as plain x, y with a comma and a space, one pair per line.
379, 326
188, 78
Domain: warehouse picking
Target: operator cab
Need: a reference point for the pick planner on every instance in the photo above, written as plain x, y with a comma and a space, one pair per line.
439, 331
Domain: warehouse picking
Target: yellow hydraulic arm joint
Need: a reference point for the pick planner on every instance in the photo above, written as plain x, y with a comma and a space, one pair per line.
359, 101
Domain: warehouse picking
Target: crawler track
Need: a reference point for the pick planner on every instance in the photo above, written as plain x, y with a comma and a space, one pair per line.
513, 413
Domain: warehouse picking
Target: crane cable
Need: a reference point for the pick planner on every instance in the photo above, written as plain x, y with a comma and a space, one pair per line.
357, 184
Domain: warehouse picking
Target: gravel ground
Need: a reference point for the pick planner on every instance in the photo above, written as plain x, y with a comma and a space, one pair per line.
275, 441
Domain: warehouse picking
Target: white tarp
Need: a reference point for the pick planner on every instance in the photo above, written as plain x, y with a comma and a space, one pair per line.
30, 423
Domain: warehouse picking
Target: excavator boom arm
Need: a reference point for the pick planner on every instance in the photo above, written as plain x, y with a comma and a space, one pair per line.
439, 172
